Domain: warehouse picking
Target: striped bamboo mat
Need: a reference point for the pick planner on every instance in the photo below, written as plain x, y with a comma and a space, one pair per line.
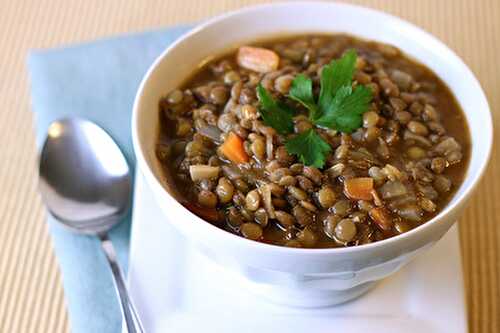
31, 296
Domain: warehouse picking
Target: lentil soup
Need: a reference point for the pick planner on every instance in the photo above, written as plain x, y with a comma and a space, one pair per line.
392, 173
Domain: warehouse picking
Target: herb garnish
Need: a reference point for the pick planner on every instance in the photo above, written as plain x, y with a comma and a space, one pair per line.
339, 106
274, 113
345, 113
309, 147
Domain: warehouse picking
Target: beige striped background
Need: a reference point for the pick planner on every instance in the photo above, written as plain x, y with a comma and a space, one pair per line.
31, 296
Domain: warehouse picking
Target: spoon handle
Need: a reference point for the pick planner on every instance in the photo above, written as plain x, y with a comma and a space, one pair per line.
128, 310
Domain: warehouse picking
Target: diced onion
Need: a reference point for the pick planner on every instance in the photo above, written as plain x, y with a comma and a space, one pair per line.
200, 171
211, 132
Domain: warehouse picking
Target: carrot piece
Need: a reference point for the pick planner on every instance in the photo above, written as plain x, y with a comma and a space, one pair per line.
257, 59
381, 217
359, 188
233, 149
209, 214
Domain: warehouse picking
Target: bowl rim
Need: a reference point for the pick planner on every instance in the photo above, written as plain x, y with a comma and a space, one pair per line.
230, 237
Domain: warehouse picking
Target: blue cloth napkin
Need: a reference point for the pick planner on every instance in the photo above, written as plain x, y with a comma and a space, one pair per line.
96, 81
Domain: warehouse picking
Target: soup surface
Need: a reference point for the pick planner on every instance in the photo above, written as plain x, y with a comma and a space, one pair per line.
313, 141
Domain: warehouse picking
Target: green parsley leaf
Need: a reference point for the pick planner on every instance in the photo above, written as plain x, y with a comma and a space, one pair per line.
309, 147
346, 110
333, 76
275, 114
302, 92
339, 106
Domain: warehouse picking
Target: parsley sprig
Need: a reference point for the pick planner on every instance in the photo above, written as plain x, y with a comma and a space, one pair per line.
340, 106
309, 147
274, 113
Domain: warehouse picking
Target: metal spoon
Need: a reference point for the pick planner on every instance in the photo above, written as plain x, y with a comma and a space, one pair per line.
85, 183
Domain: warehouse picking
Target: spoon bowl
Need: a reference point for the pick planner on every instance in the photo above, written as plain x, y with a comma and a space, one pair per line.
84, 178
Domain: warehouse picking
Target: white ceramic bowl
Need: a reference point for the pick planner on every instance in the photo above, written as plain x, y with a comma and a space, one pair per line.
306, 277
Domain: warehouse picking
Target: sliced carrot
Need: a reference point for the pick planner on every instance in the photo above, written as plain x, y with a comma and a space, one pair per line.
257, 59
359, 188
233, 149
209, 214
381, 217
